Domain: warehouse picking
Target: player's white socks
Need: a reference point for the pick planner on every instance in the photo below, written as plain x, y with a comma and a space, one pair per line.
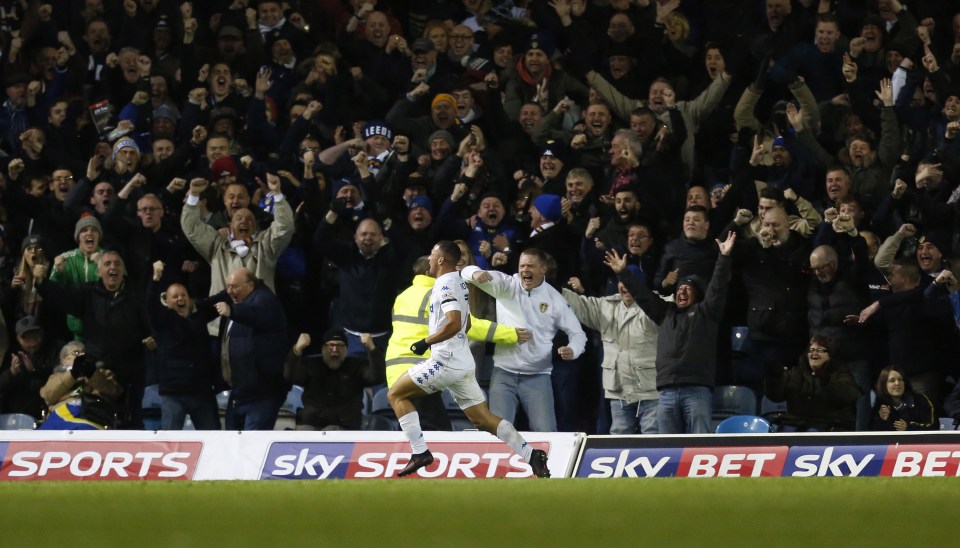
509, 435
410, 424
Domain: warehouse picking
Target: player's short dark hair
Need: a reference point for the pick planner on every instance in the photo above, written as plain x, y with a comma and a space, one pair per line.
449, 250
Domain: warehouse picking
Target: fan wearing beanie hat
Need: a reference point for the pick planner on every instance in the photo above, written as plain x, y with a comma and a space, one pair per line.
553, 157
443, 111
33, 254
164, 123
695, 283
534, 66
542, 41
348, 200
932, 246
444, 98
874, 32
126, 156
332, 381
87, 232
223, 172
420, 213
79, 266
637, 272
550, 235
377, 136
546, 209
441, 145
29, 240
377, 128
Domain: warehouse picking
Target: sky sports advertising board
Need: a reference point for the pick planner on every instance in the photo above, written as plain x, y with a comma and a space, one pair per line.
191, 455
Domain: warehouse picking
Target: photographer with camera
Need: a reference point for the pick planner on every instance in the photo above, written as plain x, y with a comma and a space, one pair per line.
81, 393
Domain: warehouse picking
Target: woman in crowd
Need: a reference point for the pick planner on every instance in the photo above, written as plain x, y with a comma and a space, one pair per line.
898, 407
437, 33
820, 391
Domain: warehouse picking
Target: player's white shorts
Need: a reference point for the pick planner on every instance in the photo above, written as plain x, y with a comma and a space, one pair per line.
433, 376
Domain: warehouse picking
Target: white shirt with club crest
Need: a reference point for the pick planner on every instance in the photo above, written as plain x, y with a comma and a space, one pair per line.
542, 310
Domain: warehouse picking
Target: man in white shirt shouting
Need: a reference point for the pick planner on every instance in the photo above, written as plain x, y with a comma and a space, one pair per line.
521, 373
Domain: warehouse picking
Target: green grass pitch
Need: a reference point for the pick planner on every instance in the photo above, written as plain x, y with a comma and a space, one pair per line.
497, 513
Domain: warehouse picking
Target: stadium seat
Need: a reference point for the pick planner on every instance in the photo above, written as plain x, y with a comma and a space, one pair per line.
740, 339
461, 424
222, 399
449, 402
151, 396
17, 421
294, 401
744, 424
458, 419
381, 406
379, 423
770, 409
451, 405
151, 419
151, 407
948, 423
731, 400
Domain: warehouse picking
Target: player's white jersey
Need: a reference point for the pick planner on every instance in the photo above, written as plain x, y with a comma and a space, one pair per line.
450, 293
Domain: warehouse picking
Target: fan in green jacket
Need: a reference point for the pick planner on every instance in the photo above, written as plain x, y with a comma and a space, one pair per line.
79, 266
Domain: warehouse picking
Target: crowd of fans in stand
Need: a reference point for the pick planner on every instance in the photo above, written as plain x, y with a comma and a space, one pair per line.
194, 193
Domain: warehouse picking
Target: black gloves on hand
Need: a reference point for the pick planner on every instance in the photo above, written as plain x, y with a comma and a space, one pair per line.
419, 347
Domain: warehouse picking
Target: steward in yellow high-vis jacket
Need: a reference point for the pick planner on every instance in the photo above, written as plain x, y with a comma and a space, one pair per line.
410, 325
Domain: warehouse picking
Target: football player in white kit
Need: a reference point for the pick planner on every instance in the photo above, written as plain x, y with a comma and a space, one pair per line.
450, 366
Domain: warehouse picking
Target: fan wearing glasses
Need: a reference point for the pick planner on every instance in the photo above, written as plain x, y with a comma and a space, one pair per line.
820, 391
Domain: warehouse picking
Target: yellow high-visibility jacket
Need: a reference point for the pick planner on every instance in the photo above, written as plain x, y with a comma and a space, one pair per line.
410, 317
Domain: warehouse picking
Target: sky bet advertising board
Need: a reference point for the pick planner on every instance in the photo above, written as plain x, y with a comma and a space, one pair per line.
849, 455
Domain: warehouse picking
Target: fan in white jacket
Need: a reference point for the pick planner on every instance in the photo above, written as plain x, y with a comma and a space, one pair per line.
522, 371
